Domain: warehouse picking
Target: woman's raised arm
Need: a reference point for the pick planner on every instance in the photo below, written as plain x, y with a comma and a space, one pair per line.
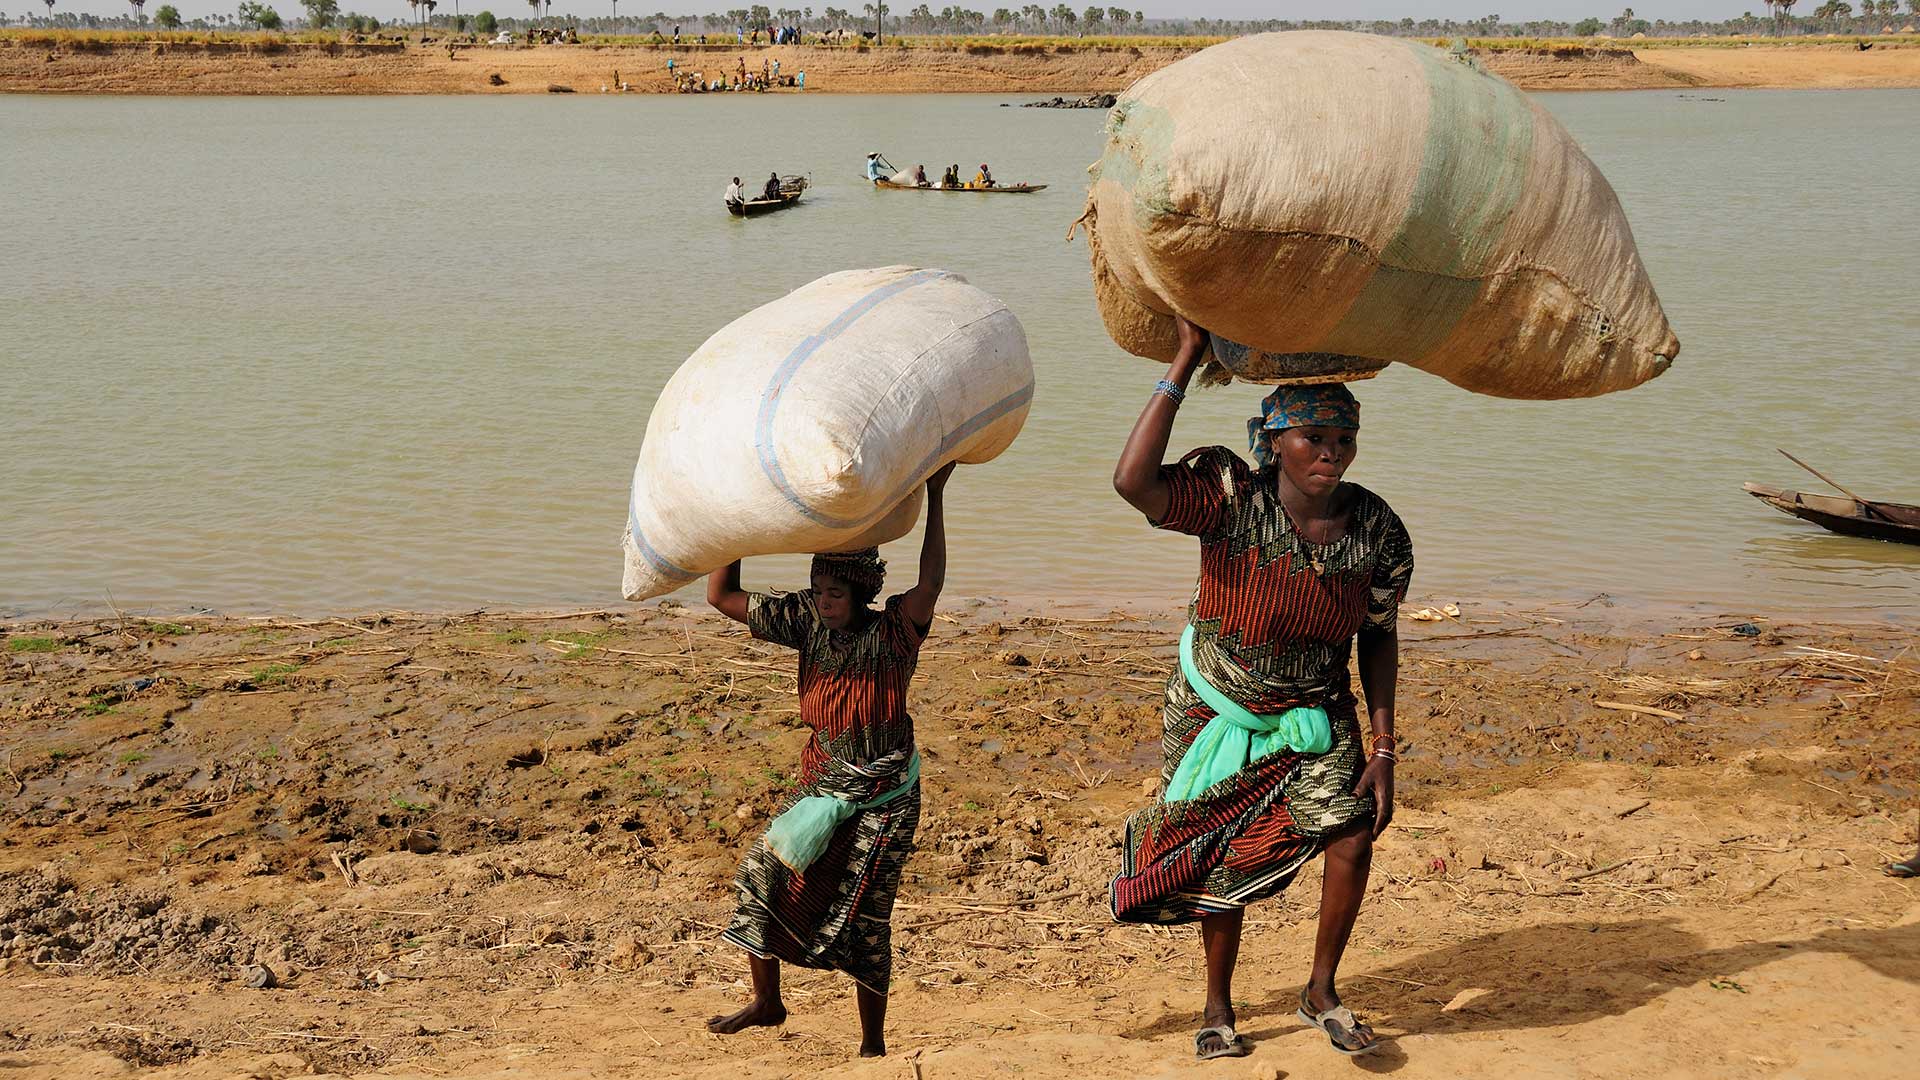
725, 594
1137, 476
918, 602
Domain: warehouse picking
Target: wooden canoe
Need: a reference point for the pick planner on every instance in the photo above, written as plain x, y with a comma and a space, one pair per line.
756, 207
1884, 521
1003, 189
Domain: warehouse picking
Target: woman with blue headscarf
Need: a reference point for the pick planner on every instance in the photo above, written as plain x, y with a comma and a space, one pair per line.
1264, 763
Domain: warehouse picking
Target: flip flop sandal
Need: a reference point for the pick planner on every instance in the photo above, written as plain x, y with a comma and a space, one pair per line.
1232, 1044
1910, 868
1341, 1027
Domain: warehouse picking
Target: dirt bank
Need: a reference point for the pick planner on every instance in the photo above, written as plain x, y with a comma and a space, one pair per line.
1805, 67
499, 846
104, 67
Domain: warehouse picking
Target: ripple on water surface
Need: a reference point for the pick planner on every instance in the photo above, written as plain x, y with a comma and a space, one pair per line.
337, 354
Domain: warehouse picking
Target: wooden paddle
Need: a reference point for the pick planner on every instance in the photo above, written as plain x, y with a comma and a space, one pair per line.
1870, 507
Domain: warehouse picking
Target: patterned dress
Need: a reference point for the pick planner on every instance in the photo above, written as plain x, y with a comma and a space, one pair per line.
1274, 617
853, 693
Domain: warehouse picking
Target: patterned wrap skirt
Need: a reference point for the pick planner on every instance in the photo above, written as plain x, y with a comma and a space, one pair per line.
838, 914
1244, 838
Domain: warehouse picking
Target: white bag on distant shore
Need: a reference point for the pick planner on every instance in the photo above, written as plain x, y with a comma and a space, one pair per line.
1322, 195
812, 423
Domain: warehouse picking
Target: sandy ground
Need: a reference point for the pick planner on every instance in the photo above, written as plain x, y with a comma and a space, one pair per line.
141, 68
499, 846
1818, 67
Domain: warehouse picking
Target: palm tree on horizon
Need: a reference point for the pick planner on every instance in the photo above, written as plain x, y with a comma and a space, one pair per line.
1782, 12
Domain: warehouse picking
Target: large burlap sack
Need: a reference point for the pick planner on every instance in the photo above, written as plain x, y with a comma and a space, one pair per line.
812, 423
1321, 195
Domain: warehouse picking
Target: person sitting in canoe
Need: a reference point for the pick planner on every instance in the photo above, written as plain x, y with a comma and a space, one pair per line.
773, 187
920, 176
733, 192
985, 177
951, 178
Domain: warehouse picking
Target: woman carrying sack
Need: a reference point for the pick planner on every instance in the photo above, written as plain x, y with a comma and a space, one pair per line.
817, 889
1265, 766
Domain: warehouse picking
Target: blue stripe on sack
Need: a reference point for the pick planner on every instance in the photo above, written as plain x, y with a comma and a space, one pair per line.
770, 398
770, 401
973, 424
782, 375
654, 558
981, 419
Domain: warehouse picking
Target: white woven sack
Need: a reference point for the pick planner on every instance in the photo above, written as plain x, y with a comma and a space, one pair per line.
812, 423
1323, 195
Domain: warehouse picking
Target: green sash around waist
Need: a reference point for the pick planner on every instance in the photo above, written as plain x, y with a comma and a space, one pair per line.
1236, 737
802, 834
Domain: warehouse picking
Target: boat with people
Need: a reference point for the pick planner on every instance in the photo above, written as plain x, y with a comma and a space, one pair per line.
997, 189
790, 189
884, 174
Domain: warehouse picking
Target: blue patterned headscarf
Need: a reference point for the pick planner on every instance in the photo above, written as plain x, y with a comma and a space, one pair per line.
1315, 405
865, 570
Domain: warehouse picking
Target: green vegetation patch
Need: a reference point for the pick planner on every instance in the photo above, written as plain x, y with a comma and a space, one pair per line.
272, 674
169, 629
32, 644
580, 642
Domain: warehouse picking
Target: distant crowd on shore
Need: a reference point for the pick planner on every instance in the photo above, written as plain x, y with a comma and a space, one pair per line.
765, 35
740, 79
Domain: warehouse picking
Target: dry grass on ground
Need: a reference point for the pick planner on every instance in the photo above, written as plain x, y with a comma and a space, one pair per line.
493, 846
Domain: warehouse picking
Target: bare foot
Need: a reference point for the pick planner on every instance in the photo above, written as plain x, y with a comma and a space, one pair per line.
873, 1049
757, 1014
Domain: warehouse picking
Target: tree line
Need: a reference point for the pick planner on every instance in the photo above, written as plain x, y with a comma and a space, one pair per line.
1830, 16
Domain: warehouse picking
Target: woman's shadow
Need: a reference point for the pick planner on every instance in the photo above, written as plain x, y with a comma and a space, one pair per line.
1556, 975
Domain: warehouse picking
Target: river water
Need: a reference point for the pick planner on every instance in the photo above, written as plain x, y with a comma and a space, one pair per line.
330, 354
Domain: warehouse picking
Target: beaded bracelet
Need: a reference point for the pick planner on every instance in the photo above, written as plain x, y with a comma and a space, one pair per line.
1171, 389
1389, 738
